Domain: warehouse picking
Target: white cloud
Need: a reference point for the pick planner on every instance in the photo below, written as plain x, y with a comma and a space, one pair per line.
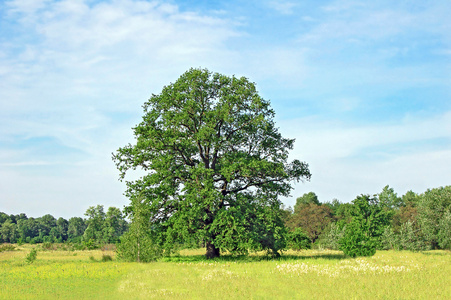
283, 7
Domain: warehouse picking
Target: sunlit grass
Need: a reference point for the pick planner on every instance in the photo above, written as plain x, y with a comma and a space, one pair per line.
306, 274
58, 275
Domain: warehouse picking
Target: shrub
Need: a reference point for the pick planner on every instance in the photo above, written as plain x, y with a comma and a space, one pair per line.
356, 242
106, 258
90, 244
298, 240
7, 247
31, 257
48, 246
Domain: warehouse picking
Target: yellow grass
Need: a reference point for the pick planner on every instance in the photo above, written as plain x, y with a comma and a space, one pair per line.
297, 275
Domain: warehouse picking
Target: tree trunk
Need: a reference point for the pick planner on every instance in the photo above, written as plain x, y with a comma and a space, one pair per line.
212, 251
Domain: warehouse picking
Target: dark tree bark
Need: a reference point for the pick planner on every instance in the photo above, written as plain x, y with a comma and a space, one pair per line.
212, 251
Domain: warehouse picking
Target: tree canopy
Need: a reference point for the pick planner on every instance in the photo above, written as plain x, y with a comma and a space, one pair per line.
215, 164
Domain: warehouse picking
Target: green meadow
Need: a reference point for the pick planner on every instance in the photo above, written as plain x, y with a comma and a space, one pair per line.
308, 274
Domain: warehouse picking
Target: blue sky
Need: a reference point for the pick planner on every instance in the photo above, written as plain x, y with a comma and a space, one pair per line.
363, 86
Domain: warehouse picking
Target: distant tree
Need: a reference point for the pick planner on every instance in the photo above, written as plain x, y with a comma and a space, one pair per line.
286, 213
344, 213
75, 229
8, 232
334, 205
433, 208
357, 241
46, 223
308, 198
213, 153
444, 233
389, 199
3, 217
95, 223
62, 225
403, 215
313, 219
114, 226
410, 198
332, 236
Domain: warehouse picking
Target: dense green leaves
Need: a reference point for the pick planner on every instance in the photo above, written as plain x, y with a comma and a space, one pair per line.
357, 241
211, 150
434, 209
363, 234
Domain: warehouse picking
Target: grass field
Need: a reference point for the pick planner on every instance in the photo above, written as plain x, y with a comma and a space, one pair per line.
309, 274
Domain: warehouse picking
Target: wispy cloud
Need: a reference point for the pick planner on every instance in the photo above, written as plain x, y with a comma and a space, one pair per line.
283, 7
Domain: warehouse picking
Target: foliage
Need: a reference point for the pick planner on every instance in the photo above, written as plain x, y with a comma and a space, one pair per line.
389, 199
408, 237
76, 228
332, 236
444, 233
21, 229
106, 257
389, 239
410, 198
138, 244
211, 150
104, 227
312, 218
356, 241
7, 247
298, 240
31, 257
405, 214
363, 234
433, 208
307, 198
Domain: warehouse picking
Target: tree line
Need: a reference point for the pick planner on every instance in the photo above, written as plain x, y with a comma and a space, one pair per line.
98, 227
382, 221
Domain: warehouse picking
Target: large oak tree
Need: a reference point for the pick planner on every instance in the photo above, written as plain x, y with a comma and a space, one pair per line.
215, 164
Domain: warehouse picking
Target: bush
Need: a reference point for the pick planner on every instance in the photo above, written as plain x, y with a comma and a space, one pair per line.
106, 258
48, 246
356, 242
7, 247
31, 257
298, 240
90, 244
